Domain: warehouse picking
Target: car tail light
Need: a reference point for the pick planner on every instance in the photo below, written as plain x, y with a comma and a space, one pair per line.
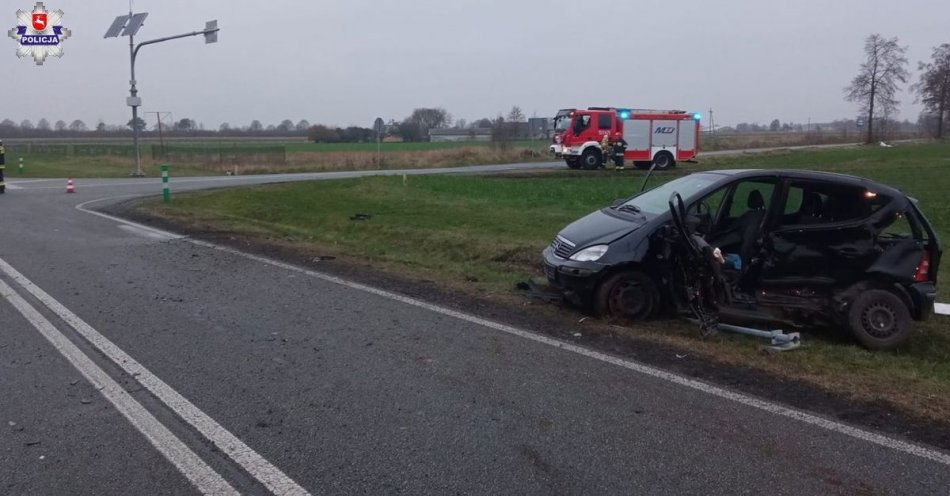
923, 268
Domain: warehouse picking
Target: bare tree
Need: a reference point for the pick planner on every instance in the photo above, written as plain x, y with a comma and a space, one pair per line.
876, 84
515, 114
43, 124
302, 126
77, 126
285, 126
26, 125
429, 118
60, 125
933, 88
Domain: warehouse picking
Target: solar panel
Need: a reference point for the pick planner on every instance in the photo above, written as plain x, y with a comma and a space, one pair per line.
116, 26
211, 31
134, 24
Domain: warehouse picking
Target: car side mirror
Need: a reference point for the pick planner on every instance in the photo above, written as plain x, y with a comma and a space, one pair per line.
618, 202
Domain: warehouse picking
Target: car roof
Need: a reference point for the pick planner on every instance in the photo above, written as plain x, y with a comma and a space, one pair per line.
809, 174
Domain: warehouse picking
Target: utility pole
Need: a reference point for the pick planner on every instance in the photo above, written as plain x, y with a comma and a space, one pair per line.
712, 123
158, 117
129, 26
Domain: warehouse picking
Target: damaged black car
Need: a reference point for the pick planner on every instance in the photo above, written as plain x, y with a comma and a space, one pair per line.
790, 247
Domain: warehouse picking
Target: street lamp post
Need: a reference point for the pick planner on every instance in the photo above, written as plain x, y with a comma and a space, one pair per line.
129, 25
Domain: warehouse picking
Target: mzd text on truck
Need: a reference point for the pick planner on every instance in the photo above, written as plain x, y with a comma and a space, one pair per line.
591, 138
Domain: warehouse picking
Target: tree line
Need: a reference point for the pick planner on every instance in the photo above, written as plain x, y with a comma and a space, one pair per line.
414, 127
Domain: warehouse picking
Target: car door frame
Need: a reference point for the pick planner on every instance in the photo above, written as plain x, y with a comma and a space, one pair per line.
774, 229
727, 201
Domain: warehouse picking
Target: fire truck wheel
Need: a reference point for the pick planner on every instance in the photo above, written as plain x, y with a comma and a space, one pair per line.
663, 161
592, 159
573, 162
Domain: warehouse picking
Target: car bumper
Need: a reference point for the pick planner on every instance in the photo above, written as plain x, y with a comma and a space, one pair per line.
924, 295
577, 280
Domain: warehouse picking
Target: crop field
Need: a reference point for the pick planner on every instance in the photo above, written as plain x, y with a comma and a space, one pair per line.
482, 234
197, 158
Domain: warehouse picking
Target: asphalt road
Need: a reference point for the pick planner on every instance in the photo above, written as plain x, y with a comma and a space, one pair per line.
134, 362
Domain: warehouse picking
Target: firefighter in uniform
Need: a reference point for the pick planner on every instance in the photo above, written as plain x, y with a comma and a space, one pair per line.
617, 151
3, 161
613, 150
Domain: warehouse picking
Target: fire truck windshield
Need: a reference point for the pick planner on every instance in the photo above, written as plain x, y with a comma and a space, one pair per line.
562, 123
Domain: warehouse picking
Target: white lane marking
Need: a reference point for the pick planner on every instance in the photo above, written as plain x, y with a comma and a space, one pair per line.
750, 401
147, 233
158, 233
203, 477
13, 186
753, 402
942, 308
262, 470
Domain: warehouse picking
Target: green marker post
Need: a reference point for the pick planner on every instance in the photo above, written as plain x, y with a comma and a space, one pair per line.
166, 194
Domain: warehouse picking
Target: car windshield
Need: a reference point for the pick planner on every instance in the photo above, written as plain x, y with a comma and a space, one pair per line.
656, 201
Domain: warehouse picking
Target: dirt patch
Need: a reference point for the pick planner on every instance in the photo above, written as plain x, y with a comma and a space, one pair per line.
568, 324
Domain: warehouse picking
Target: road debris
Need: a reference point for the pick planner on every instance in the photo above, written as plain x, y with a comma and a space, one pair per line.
537, 291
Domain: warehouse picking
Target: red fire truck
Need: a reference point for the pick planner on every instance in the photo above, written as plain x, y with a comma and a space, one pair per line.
590, 138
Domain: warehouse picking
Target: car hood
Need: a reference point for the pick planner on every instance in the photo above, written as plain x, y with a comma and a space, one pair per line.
600, 228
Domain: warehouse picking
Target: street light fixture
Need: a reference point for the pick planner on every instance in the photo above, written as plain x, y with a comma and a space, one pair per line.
129, 25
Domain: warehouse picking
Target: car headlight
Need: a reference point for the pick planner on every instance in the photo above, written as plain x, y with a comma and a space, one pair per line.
590, 254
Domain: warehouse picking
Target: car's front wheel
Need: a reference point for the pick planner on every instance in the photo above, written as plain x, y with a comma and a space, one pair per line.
573, 162
629, 294
879, 320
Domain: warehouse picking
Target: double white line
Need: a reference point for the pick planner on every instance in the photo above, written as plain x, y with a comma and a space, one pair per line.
201, 475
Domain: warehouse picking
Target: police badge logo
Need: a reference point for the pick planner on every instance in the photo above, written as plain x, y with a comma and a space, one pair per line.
39, 33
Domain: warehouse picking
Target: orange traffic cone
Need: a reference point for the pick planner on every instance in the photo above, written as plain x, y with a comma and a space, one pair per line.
69, 186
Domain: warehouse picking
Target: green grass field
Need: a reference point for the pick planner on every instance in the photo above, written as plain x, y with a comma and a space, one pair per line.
482, 234
301, 156
59, 166
306, 146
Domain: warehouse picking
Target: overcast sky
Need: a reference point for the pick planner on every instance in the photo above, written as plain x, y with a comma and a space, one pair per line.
347, 62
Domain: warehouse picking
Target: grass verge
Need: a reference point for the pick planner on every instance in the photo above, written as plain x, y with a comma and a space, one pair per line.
481, 234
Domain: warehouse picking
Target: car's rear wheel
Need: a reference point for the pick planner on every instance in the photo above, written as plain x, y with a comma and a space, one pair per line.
628, 294
592, 159
879, 320
573, 162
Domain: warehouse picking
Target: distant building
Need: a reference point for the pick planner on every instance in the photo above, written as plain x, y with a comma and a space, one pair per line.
540, 127
474, 134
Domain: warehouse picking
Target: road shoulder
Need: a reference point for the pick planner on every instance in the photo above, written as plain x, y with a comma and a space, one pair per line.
570, 326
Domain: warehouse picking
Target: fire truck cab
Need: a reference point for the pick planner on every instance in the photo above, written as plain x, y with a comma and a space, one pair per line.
590, 138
